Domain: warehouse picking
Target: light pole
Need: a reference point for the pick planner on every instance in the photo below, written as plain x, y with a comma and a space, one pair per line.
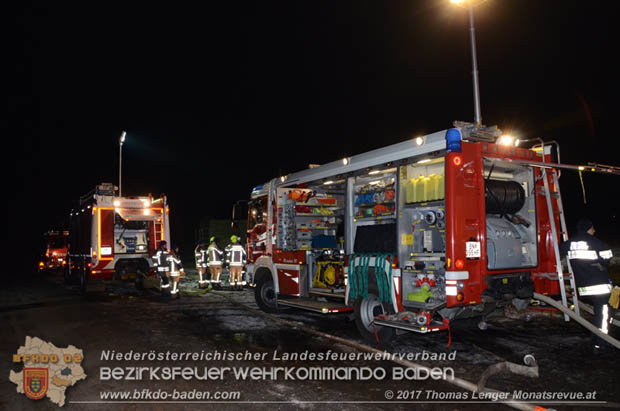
120, 164
474, 58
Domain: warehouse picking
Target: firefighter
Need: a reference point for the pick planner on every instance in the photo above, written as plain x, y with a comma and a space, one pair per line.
160, 261
215, 262
236, 259
589, 258
204, 279
176, 271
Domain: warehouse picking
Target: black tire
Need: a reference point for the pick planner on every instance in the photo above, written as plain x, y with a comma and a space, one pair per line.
67, 274
365, 311
139, 281
84, 282
265, 294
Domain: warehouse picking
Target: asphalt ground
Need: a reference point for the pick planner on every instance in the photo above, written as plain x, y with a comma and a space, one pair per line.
123, 319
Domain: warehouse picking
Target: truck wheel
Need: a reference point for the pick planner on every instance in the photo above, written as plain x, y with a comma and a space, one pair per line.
366, 309
265, 295
67, 274
139, 281
84, 282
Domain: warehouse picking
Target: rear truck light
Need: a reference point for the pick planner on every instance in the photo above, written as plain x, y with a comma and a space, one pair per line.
457, 161
460, 296
459, 264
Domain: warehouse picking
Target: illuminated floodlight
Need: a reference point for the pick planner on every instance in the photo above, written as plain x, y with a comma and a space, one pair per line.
505, 140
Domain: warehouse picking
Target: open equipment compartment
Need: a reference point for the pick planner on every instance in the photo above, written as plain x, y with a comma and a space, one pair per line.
422, 228
311, 219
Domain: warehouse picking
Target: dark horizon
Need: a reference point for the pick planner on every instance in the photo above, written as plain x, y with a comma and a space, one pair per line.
226, 96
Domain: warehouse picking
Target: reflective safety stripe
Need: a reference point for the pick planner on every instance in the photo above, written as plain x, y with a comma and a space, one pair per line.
450, 290
598, 289
582, 255
606, 254
165, 286
203, 281
605, 325
579, 245
243, 283
175, 274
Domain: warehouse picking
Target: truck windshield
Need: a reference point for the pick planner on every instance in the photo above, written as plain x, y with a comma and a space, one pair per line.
57, 242
255, 215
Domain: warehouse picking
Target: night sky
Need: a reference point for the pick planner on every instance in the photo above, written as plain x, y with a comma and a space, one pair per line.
221, 97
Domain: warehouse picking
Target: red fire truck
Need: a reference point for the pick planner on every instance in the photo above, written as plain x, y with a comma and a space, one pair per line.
54, 250
411, 236
114, 237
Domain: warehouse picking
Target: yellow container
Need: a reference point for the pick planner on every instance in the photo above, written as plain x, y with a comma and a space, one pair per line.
437, 189
441, 187
420, 189
431, 187
411, 190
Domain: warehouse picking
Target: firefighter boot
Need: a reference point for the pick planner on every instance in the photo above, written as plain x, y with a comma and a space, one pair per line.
164, 285
202, 283
174, 293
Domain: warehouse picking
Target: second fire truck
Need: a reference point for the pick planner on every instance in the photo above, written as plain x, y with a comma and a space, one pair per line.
113, 237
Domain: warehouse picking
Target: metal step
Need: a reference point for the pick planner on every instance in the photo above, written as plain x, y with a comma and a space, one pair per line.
310, 304
326, 294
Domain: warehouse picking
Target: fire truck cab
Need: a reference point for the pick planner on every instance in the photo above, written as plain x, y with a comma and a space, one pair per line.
407, 237
54, 256
114, 237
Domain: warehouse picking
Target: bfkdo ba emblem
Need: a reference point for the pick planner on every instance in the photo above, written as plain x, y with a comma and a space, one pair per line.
35, 382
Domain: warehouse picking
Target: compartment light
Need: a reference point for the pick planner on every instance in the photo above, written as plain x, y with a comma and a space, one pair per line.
346, 161
426, 160
419, 141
